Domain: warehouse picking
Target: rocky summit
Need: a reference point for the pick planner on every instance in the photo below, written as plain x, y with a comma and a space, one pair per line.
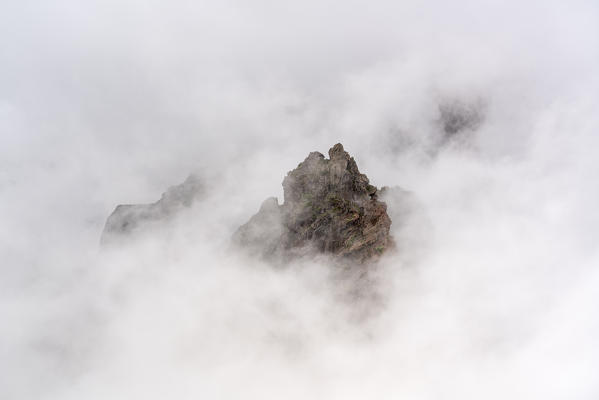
329, 207
128, 219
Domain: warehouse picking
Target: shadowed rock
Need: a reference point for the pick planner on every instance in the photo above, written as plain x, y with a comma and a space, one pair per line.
127, 219
457, 116
329, 207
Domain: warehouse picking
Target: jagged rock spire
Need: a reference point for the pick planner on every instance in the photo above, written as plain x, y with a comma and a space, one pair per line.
329, 207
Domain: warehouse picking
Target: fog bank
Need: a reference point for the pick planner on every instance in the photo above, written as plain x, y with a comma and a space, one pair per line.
485, 111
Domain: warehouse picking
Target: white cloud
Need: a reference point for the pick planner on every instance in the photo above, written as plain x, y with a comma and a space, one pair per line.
112, 102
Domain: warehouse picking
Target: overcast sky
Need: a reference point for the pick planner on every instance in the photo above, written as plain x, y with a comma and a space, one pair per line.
103, 103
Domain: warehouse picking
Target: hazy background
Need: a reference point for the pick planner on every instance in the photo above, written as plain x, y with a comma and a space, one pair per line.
111, 102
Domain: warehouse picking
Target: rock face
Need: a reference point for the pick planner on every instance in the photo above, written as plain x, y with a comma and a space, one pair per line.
329, 207
128, 219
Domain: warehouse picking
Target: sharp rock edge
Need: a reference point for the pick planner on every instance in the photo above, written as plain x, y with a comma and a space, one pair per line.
329, 208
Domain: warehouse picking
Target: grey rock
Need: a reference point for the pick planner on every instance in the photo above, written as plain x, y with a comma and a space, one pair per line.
329, 207
457, 116
128, 219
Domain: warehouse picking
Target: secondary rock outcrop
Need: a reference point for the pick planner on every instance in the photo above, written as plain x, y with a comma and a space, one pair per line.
329, 207
128, 219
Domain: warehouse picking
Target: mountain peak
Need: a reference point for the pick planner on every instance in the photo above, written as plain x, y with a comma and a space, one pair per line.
329, 207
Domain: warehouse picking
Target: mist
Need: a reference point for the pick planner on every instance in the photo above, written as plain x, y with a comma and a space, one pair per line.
485, 111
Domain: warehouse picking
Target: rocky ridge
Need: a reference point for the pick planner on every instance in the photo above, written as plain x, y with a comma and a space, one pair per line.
329, 207
128, 219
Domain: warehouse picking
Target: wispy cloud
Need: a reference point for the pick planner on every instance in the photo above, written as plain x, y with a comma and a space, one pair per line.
104, 103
